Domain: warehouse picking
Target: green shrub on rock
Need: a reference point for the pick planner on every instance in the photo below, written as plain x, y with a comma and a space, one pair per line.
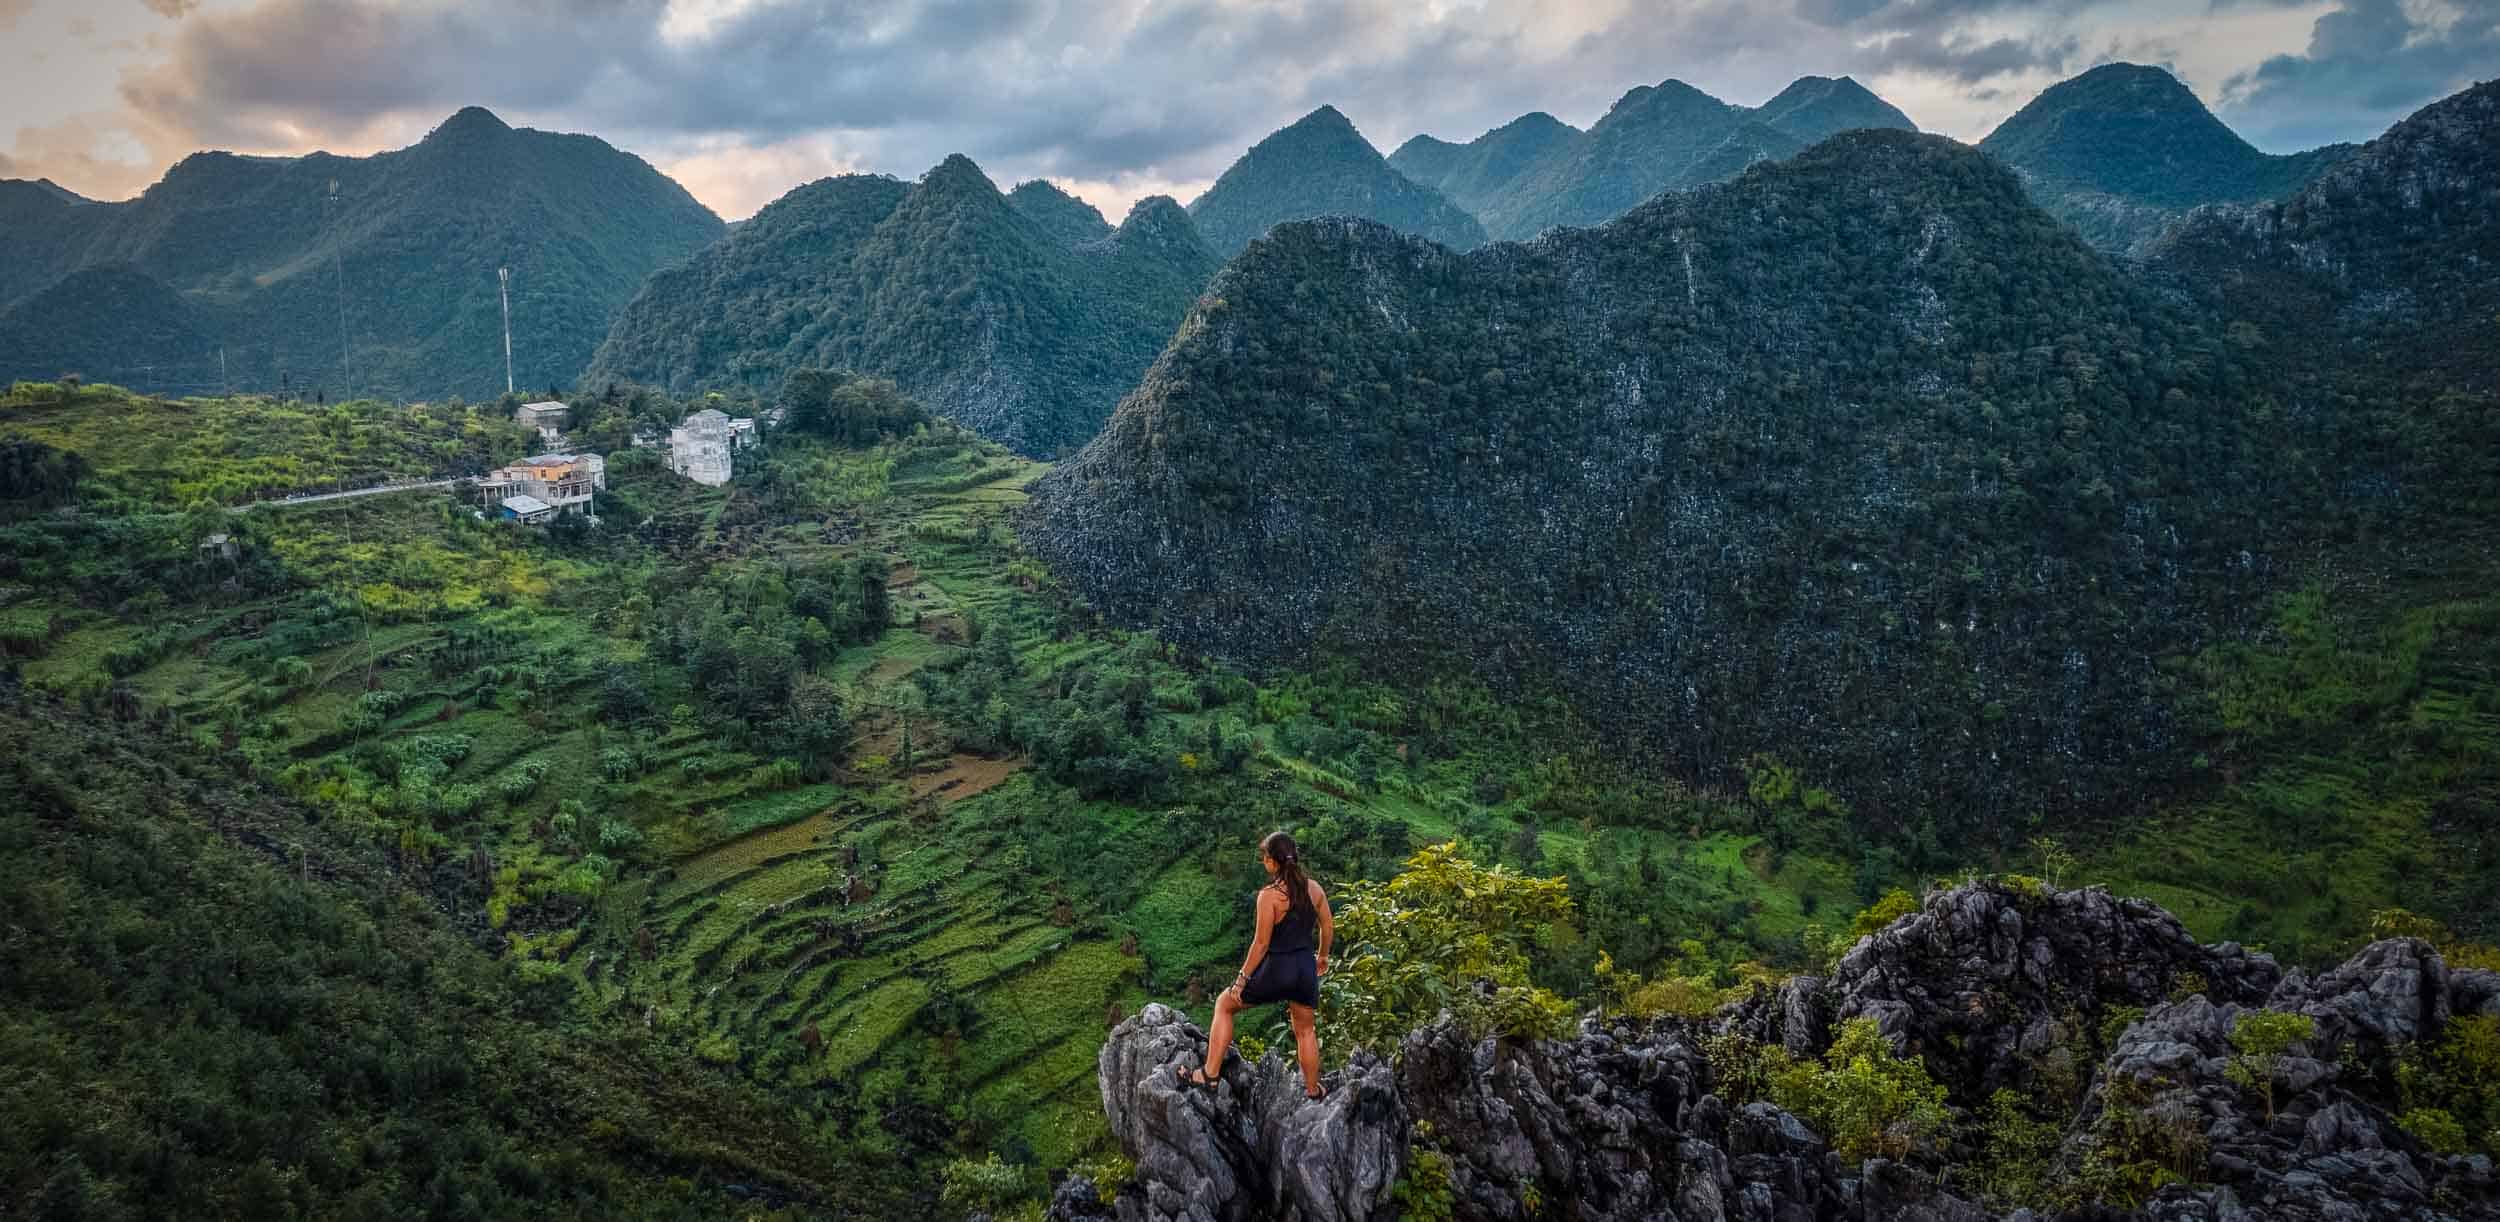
1861, 1097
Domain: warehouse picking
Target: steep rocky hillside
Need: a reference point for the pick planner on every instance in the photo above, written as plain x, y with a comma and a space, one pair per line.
2096, 1062
1022, 317
2122, 150
268, 268
1321, 166
1860, 463
2389, 252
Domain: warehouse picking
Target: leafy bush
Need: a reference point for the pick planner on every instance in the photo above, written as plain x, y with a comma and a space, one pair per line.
2435, 1128
2262, 1038
987, 1186
1424, 1194
2457, 1077
521, 780
1110, 1173
618, 838
2018, 1152
1894, 905
1861, 1097
1445, 934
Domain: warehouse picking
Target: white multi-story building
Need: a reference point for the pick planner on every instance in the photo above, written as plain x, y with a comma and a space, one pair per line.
701, 449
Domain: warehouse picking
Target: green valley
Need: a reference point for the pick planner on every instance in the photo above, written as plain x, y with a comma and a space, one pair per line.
818, 783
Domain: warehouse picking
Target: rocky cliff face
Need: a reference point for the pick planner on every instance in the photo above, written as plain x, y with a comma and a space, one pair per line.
2392, 252
1915, 501
1994, 985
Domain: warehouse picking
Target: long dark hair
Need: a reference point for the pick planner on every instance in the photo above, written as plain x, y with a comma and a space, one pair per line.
1281, 849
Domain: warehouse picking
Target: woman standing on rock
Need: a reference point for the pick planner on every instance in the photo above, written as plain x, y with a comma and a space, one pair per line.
1288, 955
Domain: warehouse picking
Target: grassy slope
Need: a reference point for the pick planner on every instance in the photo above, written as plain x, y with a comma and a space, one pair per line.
955, 1004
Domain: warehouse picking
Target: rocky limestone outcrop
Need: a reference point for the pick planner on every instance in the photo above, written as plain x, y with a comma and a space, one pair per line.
1999, 985
1625, 1120
1249, 1146
2329, 1150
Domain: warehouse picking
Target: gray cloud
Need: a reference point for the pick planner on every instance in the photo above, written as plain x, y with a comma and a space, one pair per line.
174, 10
1154, 93
2368, 64
1177, 89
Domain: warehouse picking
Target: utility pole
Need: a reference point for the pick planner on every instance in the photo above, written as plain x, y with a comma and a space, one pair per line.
503, 277
338, 265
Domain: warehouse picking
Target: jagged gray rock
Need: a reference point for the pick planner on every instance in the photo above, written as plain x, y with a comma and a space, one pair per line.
1196, 1148
1622, 1121
1251, 1146
1998, 986
2392, 992
2328, 1152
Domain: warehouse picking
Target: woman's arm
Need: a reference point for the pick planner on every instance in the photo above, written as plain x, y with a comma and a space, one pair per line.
1327, 925
1258, 941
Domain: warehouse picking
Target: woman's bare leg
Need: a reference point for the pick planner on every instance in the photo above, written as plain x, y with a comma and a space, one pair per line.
1306, 1043
1220, 1038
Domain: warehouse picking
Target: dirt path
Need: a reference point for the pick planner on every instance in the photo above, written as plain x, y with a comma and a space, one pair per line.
964, 776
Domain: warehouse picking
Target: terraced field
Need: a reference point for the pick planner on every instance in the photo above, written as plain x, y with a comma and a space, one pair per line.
923, 937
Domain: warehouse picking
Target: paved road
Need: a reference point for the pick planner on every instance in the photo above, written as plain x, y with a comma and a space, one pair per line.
376, 490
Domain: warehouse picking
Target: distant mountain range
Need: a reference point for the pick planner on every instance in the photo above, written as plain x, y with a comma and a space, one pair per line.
1862, 463
2118, 152
251, 257
1536, 172
1321, 166
1023, 316
2123, 150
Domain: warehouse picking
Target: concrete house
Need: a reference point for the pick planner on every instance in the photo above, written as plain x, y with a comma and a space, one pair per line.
546, 415
561, 483
702, 448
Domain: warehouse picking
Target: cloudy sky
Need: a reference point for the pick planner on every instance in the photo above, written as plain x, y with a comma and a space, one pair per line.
1115, 99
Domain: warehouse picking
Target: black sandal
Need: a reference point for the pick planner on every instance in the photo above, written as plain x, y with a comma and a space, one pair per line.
1194, 1077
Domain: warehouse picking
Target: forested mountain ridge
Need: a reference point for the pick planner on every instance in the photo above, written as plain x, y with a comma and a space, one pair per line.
1662, 137
1916, 503
1022, 317
2121, 150
1816, 108
1320, 166
1072, 219
268, 267
1536, 172
1475, 172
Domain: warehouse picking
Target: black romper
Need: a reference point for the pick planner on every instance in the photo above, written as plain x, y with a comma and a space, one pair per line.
1290, 972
